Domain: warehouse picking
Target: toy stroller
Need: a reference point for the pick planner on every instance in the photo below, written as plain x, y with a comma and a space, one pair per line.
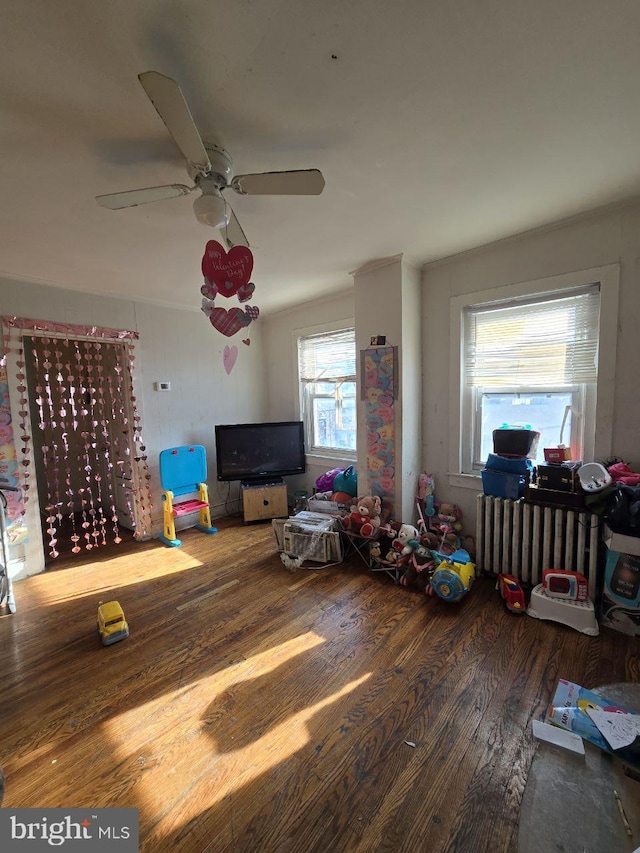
6, 588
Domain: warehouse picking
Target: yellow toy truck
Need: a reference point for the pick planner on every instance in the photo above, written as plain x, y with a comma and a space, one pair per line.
112, 626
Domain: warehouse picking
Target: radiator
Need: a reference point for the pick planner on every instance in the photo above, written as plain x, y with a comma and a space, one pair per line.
523, 539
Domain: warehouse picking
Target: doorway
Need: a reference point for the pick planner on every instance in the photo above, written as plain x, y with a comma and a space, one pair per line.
77, 419
82, 424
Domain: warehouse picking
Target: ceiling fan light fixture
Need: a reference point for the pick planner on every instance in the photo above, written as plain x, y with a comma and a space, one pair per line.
211, 210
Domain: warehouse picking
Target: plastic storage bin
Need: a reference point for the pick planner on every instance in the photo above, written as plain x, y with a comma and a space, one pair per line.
501, 484
509, 464
515, 442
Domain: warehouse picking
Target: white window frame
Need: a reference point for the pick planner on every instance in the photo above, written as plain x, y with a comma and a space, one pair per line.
336, 454
597, 425
471, 450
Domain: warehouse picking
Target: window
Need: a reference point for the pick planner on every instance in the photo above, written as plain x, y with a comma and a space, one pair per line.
536, 385
327, 376
531, 362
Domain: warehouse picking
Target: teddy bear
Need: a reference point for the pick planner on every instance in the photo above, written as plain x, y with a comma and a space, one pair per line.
364, 519
406, 534
420, 562
447, 523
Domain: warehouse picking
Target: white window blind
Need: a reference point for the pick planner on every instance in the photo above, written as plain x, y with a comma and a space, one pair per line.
327, 357
550, 341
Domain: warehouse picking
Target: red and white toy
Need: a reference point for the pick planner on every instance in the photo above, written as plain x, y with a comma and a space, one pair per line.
559, 583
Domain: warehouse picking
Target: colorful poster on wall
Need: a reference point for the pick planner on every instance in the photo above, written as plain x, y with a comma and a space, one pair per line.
378, 384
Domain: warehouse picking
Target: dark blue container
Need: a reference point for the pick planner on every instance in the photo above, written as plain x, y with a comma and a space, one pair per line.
509, 464
501, 484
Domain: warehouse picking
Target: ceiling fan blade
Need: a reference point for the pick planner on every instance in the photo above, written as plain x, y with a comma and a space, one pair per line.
132, 198
301, 182
166, 96
233, 233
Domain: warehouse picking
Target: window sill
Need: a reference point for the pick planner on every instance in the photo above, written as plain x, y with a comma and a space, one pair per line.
333, 459
466, 481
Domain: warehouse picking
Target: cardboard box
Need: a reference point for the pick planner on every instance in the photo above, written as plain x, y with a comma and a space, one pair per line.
621, 543
620, 603
557, 454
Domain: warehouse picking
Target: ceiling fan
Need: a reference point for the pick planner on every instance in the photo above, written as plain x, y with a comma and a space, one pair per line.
209, 167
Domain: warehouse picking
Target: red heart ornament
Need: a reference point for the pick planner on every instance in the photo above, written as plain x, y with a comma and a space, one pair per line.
229, 271
252, 312
228, 322
246, 341
246, 292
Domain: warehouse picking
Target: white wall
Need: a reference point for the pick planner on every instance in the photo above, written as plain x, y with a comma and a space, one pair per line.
281, 368
175, 345
411, 393
595, 240
387, 302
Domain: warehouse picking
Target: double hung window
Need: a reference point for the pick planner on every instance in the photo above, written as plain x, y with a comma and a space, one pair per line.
327, 382
530, 362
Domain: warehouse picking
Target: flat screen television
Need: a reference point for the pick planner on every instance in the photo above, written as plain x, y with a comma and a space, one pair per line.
259, 453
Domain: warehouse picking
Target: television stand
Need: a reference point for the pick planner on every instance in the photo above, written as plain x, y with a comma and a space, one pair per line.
264, 498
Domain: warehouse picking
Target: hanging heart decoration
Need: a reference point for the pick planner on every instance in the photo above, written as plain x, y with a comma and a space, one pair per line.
246, 341
209, 289
228, 322
252, 312
229, 271
229, 357
246, 291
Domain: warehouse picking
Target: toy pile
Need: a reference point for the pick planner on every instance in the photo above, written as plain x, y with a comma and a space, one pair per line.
430, 557
509, 468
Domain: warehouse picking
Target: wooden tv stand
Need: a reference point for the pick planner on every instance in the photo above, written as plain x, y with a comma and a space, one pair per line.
261, 501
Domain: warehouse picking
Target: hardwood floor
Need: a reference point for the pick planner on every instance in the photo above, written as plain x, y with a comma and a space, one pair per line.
255, 709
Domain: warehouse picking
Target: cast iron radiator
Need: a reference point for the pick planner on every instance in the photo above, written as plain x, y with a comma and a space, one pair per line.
523, 539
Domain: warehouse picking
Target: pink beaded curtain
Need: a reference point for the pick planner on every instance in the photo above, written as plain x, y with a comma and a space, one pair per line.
86, 410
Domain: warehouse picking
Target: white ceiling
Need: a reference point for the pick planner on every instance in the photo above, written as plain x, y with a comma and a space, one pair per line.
438, 126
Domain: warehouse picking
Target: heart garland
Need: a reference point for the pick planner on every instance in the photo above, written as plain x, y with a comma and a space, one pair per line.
227, 274
229, 271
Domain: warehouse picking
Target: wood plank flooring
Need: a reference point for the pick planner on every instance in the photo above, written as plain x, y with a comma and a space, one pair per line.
255, 709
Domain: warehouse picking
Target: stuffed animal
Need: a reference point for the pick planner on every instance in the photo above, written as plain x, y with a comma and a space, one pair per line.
364, 520
375, 553
420, 563
449, 514
341, 498
406, 533
447, 523
388, 534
